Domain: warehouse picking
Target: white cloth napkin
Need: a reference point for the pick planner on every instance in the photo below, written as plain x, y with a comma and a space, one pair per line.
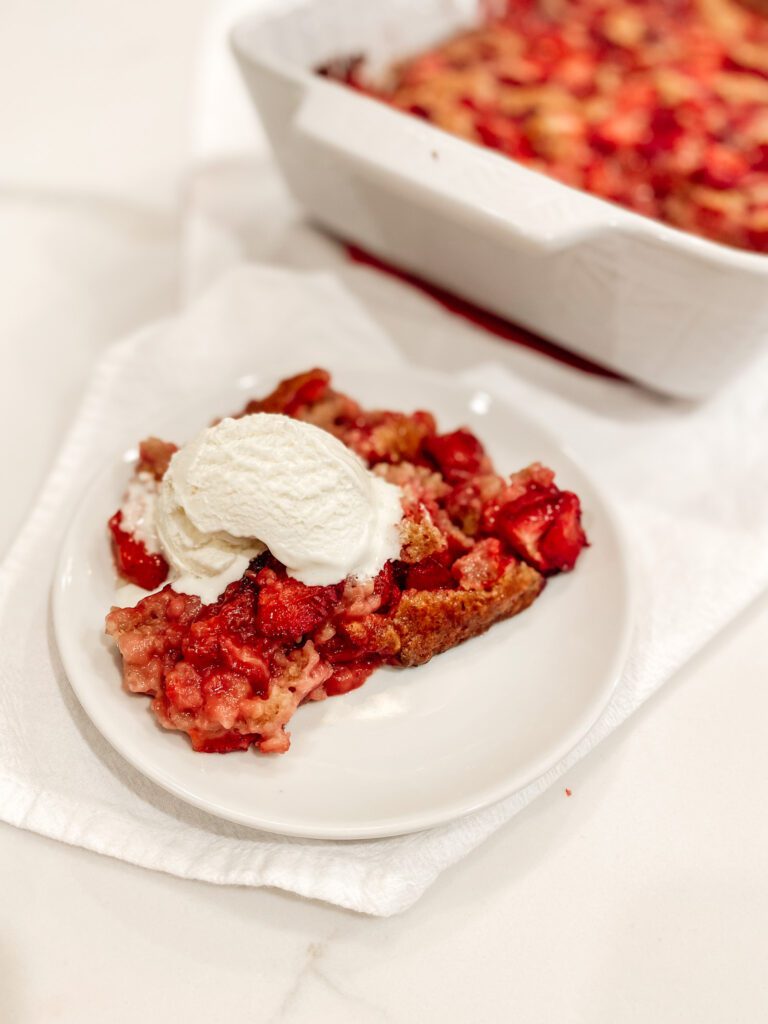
691, 483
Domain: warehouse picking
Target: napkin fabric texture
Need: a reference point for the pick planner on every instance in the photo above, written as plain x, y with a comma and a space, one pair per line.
690, 484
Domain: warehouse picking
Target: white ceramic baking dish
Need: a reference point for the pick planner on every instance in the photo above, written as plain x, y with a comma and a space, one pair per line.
676, 312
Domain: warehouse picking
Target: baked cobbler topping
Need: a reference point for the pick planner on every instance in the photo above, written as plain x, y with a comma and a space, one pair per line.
473, 548
659, 105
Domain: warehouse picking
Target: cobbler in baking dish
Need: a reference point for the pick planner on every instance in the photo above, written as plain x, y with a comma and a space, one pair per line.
471, 548
659, 105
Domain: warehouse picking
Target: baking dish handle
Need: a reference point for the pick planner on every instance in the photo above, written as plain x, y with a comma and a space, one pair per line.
441, 170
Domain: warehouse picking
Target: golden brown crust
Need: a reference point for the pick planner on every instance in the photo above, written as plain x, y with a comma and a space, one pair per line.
430, 622
419, 537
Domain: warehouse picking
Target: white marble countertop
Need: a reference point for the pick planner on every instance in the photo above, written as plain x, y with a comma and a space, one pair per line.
641, 897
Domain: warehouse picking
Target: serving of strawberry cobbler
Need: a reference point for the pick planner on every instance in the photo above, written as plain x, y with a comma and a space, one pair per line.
658, 105
472, 548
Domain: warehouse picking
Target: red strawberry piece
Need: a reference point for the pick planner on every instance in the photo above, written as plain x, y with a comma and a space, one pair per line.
340, 649
429, 574
526, 494
722, 168
549, 48
350, 677
293, 394
236, 609
499, 132
133, 561
288, 610
562, 543
760, 157
308, 393
385, 588
232, 617
250, 660
202, 644
204, 743
457, 455
542, 526
758, 238
524, 527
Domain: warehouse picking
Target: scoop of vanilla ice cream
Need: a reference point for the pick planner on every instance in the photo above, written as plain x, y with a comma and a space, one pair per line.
192, 552
269, 480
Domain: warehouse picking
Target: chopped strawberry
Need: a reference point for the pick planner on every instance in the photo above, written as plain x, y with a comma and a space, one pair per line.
543, 527
760, 157
385, 588
499, 132
293, 394
230, 618
723, 168
340, 649
549, 47
350, 677
664, 133
134, 562
223, 743
202, 644
429, 574
457, 455
562, 543
525, 490
307, 393
758, 235
250, 660
523, 523
289, 610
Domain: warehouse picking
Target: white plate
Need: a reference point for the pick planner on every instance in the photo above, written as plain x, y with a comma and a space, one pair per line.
412, 748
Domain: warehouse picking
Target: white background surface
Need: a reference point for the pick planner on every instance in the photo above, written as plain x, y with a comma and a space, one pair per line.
642, 897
